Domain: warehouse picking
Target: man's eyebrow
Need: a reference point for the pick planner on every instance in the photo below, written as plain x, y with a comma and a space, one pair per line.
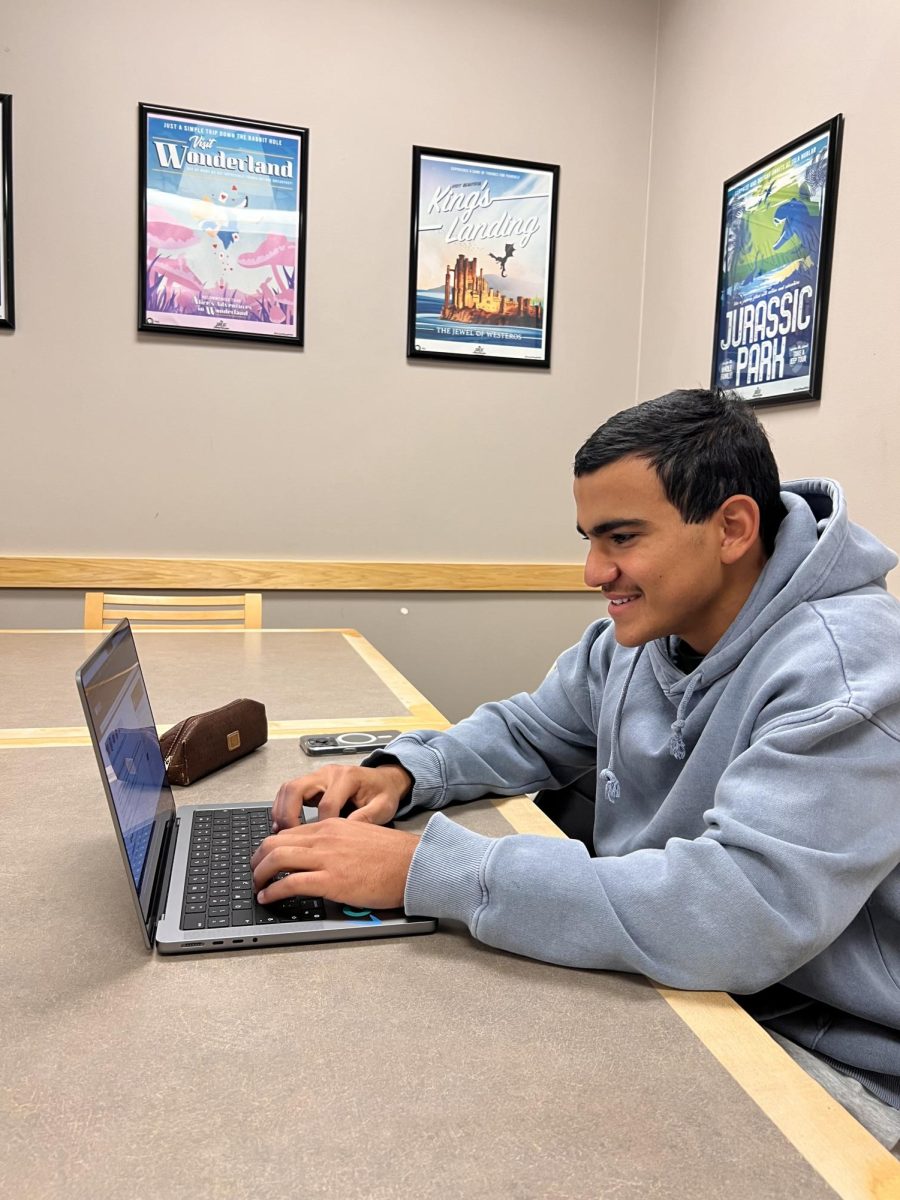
617, 523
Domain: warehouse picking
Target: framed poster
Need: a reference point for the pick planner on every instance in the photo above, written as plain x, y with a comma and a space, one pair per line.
7, 296
222, 226
481, 258
774, 269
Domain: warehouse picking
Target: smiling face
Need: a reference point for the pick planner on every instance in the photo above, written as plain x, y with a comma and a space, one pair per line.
664, 577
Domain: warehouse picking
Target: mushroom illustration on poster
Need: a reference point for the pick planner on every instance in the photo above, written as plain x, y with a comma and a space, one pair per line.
222, 226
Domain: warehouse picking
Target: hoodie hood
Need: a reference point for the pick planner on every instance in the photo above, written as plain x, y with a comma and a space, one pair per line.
818, 553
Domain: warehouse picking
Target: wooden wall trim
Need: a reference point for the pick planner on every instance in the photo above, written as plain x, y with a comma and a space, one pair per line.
288, 575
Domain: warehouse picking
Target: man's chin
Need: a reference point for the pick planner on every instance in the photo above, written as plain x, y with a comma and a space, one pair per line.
630, 638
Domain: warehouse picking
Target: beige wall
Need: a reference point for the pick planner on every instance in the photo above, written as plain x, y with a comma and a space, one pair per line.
732, 84
343, 450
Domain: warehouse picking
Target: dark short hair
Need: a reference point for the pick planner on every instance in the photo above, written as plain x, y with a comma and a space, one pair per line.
704, 446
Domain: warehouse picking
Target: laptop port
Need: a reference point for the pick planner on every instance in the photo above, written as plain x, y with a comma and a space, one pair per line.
236, 941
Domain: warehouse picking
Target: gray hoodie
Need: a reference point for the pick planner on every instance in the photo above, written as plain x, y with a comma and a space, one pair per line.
747, 814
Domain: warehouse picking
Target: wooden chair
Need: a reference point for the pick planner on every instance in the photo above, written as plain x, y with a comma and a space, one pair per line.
103, 609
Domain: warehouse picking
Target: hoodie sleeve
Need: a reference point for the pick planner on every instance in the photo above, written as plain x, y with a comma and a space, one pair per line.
546, 739
804, 826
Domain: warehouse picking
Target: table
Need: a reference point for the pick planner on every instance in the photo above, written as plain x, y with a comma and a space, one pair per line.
319, 680
417, 1067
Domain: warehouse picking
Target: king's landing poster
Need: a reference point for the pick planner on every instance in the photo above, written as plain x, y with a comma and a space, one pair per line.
482, 258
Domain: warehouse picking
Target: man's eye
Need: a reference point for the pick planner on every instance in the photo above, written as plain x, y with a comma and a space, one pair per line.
621, 539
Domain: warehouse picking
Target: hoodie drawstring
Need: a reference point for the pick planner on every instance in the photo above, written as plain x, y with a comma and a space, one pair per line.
676, 741
612, 790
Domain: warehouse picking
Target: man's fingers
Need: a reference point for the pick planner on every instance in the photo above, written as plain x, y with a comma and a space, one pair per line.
284, 805
356, 862
281, 856
336, 795
293, 795
300, 883
365, 813
377, 811
376, 791
277, 841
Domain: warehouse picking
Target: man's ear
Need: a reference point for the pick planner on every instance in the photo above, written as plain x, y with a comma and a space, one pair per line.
739, 523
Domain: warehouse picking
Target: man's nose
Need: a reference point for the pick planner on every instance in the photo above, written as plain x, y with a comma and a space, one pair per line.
599, 570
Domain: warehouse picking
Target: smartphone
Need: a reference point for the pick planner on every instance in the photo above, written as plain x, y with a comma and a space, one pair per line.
346, 743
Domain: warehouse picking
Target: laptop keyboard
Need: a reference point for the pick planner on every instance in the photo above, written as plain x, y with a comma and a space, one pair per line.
219, 888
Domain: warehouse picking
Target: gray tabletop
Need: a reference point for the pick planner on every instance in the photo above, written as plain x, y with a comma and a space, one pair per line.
298, 675
427, 1066
419, 1067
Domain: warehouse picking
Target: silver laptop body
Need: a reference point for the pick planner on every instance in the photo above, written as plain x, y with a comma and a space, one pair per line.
155, 838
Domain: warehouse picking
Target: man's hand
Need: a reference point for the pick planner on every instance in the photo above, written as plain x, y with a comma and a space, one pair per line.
376, 792
352, 862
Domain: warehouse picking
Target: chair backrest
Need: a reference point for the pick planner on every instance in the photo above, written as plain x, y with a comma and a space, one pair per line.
102, 610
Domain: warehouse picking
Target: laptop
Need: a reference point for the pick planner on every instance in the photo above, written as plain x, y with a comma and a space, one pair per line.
189, 869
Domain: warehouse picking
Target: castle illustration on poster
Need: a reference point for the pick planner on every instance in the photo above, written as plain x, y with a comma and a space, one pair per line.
482, 258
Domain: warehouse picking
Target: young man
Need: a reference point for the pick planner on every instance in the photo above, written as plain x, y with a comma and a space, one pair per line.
741, 709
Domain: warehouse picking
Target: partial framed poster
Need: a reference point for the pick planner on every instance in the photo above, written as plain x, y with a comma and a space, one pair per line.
481, 258
222, 233
774, 270
7, 292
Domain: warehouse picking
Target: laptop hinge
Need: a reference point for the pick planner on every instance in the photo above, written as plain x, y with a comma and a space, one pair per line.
164, 875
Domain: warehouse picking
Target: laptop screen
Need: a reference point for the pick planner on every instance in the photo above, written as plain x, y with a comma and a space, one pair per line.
123, 732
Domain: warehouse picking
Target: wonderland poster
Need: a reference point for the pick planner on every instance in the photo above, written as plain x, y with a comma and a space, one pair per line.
774, 267
481, 262
222, 227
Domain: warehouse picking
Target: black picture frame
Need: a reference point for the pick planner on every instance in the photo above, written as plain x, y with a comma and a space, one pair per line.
456, 221
774, 270
222, 201
7, 274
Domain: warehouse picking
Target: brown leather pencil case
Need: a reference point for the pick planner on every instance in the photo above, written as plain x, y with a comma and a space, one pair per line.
201, 744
